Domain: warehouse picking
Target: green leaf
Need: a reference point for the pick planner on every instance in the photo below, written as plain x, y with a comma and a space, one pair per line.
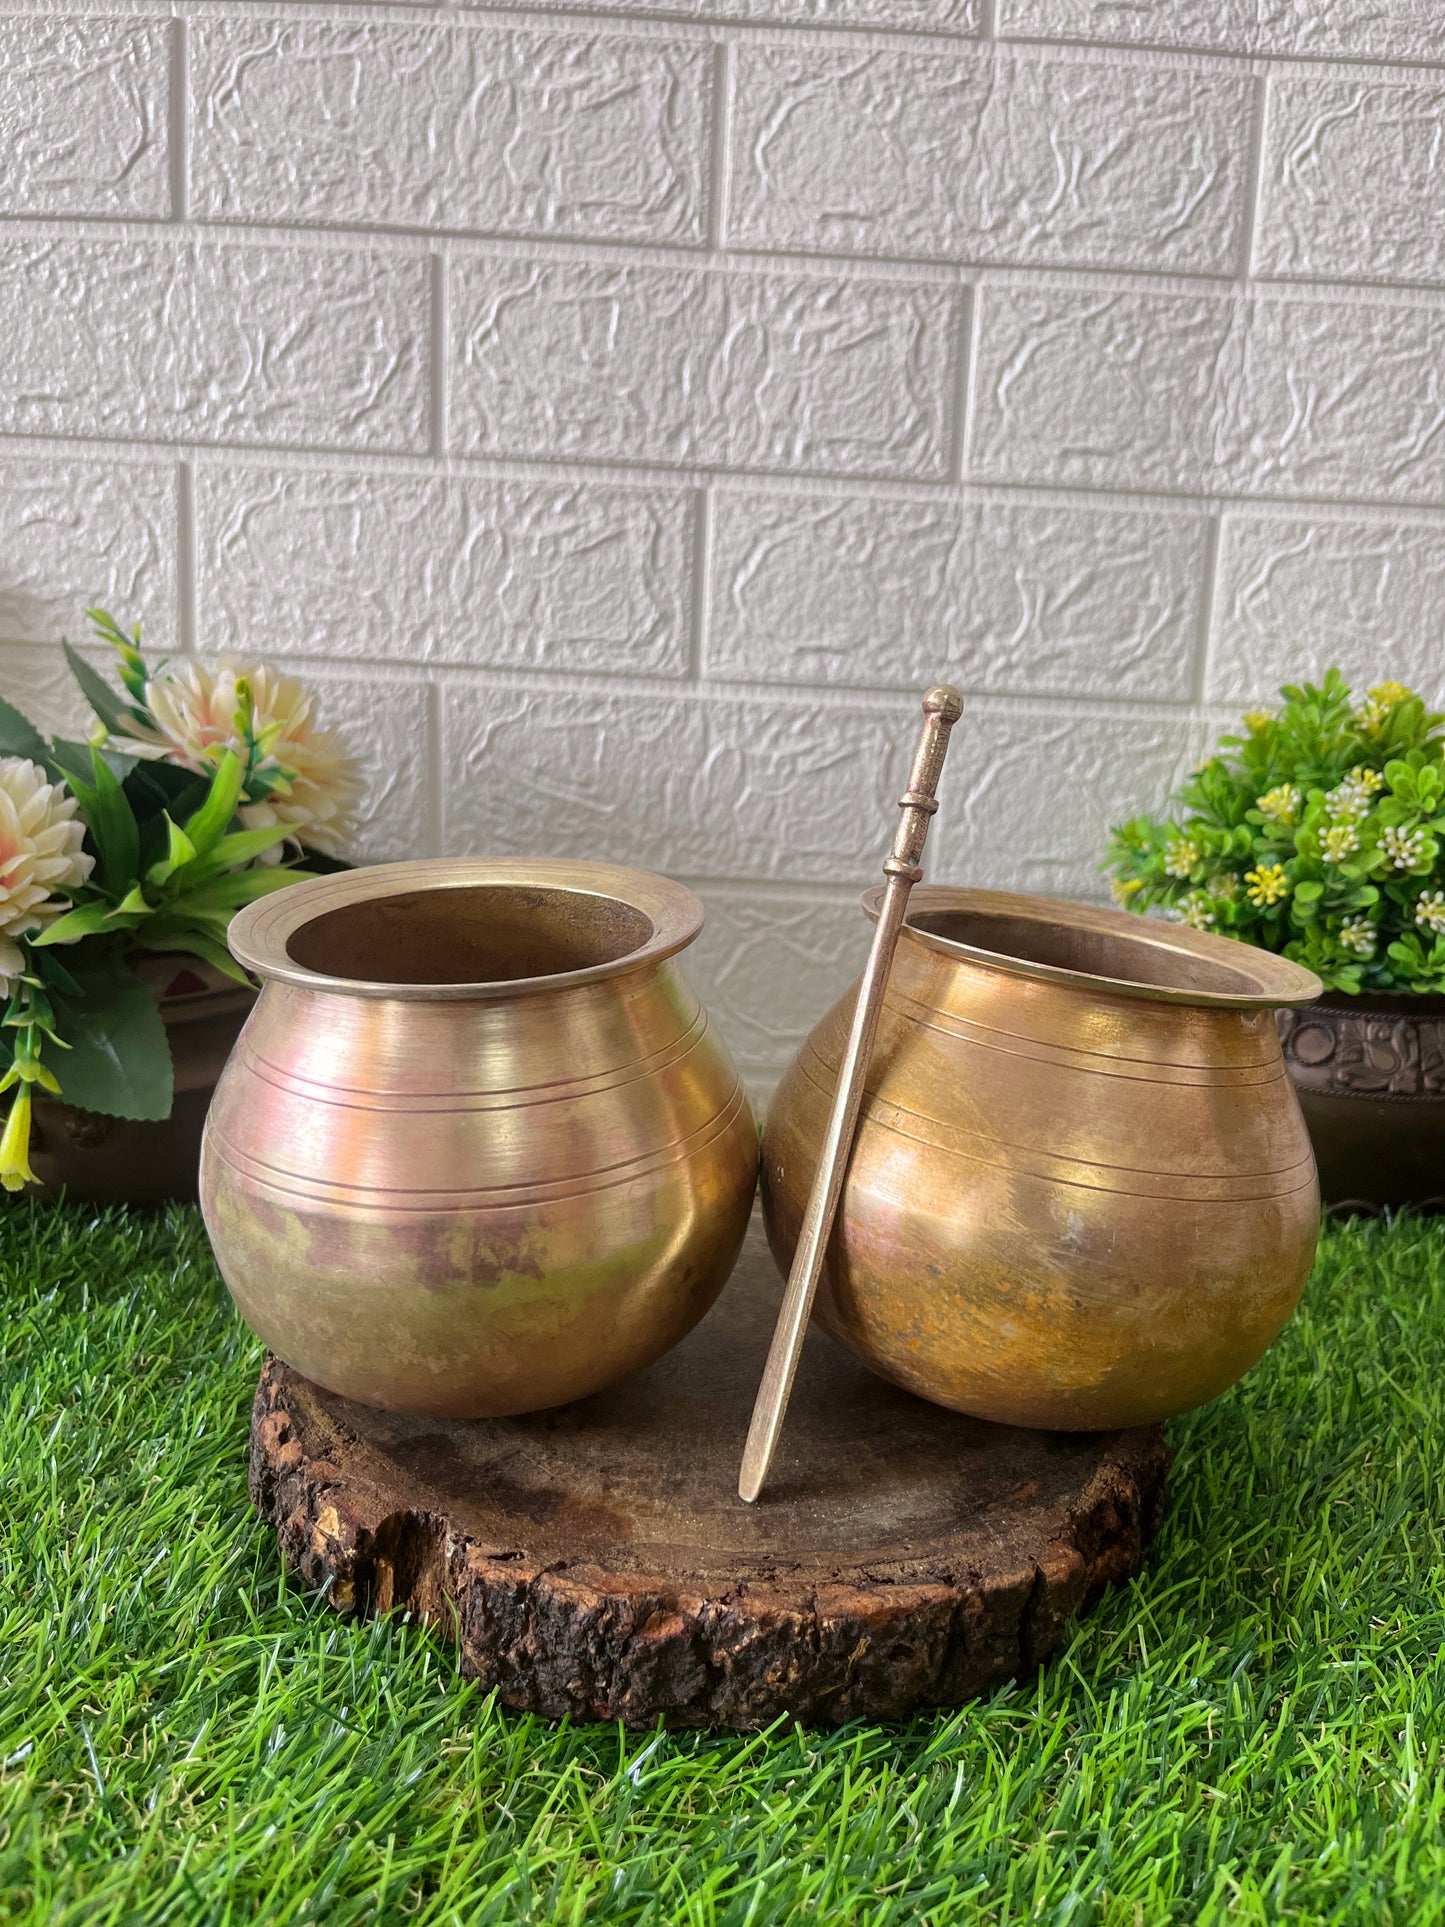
211, 821
242, 847
84, 921
115, 714
261, 783
127, 648
20, 737
53, 972
113, 826
193, 943
227, 893
154, 786
120, 1058
132, 904
179, 852
72, 760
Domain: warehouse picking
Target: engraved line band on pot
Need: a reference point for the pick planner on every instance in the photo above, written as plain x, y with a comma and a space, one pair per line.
1142, 1070
374, 1198
950, 1136
1027, 1161
338, 1096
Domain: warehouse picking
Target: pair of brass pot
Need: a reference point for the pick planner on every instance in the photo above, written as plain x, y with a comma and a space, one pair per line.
478, 1151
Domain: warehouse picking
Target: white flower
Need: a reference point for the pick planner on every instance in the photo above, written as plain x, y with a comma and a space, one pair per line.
1193, 911
1180, 856
1430, 911
1358, 934
40, 853
1347, 802
1339, 841
200, 713
1404, 848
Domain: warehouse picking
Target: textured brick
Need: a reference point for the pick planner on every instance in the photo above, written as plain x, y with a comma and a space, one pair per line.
991, 595
1123, 390
768, 965
410, 568
1296, 595
1028, 795
1341, 398
591, 135
693, 786
1346, 29
722, 789
384, 726
77, 533
37, 680
687, 366
920, 16
172, 340
1353, 180
990, 157
83, 116
1254, 397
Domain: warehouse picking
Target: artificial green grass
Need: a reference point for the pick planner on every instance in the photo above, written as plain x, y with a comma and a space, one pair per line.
1251, 1732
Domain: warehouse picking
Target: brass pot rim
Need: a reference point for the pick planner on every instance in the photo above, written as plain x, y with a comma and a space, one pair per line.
1274, 981
260, 933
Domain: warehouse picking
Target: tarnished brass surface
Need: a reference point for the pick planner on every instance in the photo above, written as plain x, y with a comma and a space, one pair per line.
478, 1151
1082, 1194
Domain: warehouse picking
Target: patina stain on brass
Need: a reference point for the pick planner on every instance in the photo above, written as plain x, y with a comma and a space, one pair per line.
1082, 1194
478, 1151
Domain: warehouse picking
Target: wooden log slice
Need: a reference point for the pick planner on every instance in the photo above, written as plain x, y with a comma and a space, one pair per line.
596, 1560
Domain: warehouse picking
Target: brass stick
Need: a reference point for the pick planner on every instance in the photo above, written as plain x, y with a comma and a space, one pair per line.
942, 708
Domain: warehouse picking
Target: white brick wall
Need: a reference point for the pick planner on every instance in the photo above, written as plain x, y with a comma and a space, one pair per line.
620, 410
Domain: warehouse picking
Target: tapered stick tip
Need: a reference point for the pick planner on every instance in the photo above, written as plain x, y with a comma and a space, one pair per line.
944, 702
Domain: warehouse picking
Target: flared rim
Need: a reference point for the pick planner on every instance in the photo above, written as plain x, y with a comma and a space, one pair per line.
1266, 980
260, 935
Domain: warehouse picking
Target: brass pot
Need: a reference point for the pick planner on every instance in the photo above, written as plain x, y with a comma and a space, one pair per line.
478, 1150
1082, 1194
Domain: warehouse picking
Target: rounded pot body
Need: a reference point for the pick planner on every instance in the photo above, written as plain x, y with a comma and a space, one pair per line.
1369, 1071
478, 1151
1082, 1194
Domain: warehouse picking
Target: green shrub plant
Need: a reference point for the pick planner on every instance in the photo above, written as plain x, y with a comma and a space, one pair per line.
1318, 831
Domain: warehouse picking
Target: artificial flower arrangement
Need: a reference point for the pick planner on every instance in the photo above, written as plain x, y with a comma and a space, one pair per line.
1318, 831
197, 792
